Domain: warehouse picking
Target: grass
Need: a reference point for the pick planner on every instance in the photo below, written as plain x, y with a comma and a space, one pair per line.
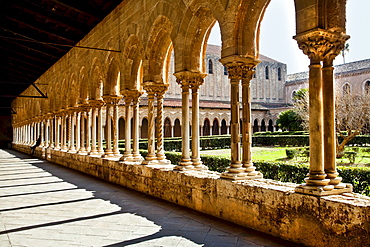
279, 154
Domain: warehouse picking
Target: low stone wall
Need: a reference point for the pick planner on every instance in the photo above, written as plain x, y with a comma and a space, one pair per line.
264, 205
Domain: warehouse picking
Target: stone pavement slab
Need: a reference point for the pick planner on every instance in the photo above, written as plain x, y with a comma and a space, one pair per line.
43, 204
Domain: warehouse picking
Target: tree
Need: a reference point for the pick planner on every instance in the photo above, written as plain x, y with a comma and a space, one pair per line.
289, 120
352, 115
300, 104
344, 51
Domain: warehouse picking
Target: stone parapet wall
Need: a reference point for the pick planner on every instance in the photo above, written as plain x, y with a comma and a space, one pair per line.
264, 205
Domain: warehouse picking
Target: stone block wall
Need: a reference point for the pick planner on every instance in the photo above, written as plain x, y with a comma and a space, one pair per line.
264, 205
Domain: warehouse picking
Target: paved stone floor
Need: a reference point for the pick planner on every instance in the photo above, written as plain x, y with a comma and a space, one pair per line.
43, 204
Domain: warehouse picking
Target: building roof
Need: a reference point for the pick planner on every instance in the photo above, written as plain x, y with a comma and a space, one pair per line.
347, 69
216, 49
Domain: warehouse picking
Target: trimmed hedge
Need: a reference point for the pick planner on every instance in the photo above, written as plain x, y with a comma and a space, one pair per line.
359, 177
281, 141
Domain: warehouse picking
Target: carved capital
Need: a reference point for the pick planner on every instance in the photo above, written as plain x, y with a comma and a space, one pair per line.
112, 99
240, 67
321, 45
188, 79
154, 88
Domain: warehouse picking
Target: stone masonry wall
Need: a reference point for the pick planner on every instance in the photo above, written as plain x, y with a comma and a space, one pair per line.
264, 205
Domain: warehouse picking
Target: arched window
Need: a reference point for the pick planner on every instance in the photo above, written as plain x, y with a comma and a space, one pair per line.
206, 127
267, 72
279, 74
225, 70
367, 87
215, 127
121, 128
263, 125
346, 89
223, 127
167, 128
294, 93
271, 126
177, 128
255, 126
210, 66
144, 128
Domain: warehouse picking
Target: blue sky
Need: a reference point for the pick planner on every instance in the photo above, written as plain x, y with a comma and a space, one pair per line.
278, 28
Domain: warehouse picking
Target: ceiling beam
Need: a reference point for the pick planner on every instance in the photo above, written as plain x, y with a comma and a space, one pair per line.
80, 8
42, 30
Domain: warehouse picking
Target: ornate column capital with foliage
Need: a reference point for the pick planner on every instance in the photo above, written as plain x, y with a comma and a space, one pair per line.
240, 67
321, 45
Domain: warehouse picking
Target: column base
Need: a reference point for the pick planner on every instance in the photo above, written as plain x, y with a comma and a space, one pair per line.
127, 158
198, 164
137, 157
324, 190
150, 162
72, 151
242, 175
184, 165
164, 162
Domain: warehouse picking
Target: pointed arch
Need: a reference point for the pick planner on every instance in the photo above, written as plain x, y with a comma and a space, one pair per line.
159, 48
195, 27
83, 83
73, 90
96, 84
112, 83
133, 55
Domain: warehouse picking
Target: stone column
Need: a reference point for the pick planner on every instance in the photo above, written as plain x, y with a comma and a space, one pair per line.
151, 158
73, 117
234, 64
135, 145
321, 45
115, 126
108, 127
52, 123
82, 149
100, 130
64, 132
183, 81
329, 125
195, 84
160, 91
247, 132
88, 129
57, 132
94, 150
127, 156
78, 130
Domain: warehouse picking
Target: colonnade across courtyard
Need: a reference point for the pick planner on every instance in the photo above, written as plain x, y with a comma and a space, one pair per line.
85, 87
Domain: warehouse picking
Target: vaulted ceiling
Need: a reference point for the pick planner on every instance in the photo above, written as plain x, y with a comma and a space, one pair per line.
34, 34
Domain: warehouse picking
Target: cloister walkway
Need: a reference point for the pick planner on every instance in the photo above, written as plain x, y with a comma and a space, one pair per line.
43, 204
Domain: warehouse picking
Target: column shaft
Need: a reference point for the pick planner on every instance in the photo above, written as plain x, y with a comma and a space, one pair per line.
151, 132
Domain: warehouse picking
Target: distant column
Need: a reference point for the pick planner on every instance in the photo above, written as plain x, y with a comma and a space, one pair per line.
185, 162
150, 158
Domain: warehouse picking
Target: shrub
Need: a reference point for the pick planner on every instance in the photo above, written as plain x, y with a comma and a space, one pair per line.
292, 172
291, 153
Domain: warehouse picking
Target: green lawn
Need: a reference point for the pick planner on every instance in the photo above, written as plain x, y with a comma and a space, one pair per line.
279, 154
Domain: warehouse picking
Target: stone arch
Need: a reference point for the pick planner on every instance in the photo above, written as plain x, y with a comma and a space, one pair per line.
215, 127
158, 50
96, 84
83, 81
263, 125
191, 51
177, 128
121, 127
133, 55
167, 128
112, 83
270, 126
255, 126
223, 127
73, 91
240, 32
346, 89
366, 87
144, 128
206, 127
